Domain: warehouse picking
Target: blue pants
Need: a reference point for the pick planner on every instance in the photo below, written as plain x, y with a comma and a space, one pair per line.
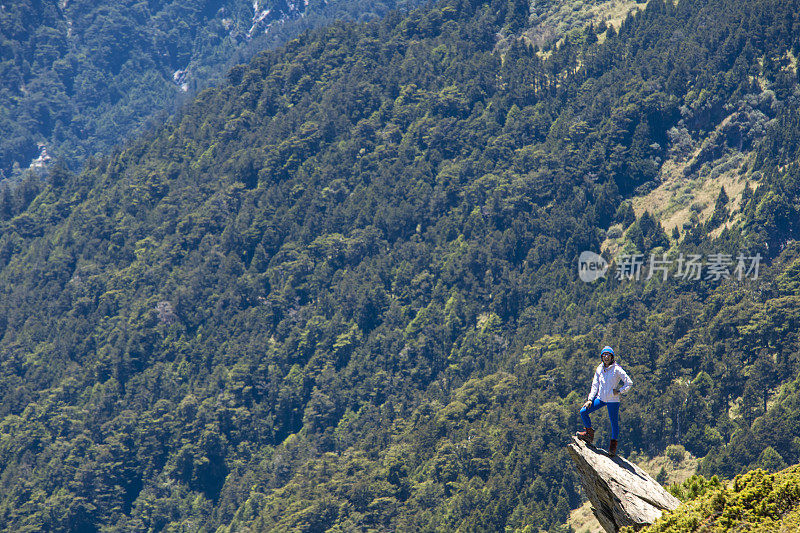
613, 414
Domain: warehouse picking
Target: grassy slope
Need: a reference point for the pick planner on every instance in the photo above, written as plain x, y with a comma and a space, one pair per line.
551, 21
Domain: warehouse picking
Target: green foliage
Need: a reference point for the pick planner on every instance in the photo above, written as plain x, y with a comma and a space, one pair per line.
675, 452
755, 501
338, 291
78, 78
720, 213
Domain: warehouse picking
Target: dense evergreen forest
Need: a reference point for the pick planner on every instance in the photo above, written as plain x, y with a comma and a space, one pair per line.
78, 77
340, 290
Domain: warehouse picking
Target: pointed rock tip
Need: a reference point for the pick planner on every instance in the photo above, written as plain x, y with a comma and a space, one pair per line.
622, 494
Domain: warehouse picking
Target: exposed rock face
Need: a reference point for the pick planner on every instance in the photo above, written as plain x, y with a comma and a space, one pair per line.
622, 494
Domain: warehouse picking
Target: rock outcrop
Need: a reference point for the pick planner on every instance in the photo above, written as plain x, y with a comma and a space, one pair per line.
622, 494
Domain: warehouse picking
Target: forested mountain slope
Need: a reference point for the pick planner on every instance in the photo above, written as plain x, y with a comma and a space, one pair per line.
78, 77
341, 290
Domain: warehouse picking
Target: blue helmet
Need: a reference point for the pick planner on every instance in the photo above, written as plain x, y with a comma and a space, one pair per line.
607, 349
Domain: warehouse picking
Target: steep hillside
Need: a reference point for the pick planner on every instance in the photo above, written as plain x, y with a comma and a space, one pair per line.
76, 78
341, 290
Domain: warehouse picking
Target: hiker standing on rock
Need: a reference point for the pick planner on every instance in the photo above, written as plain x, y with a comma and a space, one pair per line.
609, 383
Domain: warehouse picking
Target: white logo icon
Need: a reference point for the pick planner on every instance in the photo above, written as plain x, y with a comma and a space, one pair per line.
591, 266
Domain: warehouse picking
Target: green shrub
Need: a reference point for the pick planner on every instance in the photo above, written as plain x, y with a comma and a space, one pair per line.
676, 453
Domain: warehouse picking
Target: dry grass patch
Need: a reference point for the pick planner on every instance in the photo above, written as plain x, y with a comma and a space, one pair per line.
552, 26
674, 201
677, 470
677, 197
583, 520
616, 11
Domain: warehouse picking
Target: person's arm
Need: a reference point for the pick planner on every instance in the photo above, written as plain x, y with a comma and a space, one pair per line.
625, 382
595, 387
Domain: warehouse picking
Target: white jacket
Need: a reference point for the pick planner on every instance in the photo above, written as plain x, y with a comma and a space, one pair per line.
606, 380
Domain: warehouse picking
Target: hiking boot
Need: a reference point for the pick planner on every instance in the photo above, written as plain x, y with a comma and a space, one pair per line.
612, 447
587, 435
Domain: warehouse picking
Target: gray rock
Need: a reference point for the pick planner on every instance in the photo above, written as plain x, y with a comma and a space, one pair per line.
622, 494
